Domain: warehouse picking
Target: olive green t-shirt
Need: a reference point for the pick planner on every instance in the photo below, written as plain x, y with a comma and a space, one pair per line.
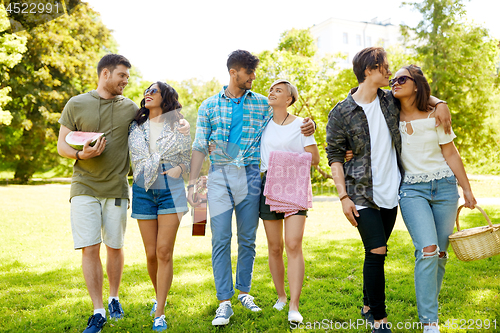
102, 176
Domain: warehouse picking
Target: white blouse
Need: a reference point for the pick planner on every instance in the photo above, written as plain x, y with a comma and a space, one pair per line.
421, 153
155, 129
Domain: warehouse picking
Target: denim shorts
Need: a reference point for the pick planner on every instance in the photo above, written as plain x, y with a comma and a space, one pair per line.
166, 196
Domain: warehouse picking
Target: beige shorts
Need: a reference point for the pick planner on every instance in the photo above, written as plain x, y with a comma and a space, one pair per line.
95, 220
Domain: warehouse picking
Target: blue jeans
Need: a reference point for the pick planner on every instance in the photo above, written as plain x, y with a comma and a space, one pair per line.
232, 188
429, 210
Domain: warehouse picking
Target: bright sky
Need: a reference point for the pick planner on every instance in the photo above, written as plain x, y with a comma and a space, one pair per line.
182, 39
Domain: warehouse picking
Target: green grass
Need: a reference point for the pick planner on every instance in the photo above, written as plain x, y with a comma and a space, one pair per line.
324, 188
42, 287
485, 186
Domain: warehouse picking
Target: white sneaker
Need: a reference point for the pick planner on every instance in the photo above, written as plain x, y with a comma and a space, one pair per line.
159, 324
222, 314
247, 301
431, 329
279, 305
294, 316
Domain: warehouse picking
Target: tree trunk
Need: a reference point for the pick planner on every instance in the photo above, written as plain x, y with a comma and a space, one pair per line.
31, 146
24, 171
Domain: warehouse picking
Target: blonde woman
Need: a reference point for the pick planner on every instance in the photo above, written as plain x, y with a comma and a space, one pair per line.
283, 133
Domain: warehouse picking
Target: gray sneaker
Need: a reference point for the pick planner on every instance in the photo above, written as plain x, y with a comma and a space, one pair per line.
223, 313
247, 301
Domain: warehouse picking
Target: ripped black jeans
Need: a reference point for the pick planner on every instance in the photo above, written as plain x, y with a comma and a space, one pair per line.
375, 228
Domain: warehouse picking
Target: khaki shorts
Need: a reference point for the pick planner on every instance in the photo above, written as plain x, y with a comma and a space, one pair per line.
92, 217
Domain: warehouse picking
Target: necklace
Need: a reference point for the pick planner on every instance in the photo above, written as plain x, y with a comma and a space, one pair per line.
238, 100
287, 114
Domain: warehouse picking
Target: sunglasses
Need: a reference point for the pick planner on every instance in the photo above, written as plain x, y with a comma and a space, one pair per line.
400, 80
150, 91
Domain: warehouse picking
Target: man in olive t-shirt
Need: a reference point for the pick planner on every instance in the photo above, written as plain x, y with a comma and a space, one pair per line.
99, 187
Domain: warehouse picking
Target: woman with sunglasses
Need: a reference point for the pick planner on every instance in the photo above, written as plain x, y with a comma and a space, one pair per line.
428, 195
283, 133
160, 155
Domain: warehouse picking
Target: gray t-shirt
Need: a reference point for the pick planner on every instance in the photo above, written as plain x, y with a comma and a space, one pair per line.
103, 176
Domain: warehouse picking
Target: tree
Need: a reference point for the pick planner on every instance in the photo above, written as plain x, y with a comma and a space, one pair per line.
320, 83
60, 63
11, 49
460, 61
192, 93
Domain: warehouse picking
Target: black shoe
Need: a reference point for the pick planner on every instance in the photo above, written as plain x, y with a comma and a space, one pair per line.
368, 316
383, 328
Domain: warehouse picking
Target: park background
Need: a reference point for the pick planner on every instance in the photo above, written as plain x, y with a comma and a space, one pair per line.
42, 66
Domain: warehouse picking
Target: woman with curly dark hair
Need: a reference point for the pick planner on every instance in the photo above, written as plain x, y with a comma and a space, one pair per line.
160, 155
428, 196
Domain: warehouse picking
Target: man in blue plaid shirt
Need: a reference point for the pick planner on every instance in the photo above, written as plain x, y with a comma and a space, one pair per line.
232, 121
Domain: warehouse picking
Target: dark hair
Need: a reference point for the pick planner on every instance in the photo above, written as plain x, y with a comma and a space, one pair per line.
423, 88
169, 104
368, 58
110, 61
240, 58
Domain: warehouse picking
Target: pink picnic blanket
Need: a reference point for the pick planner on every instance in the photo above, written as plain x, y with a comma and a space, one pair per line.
288, 185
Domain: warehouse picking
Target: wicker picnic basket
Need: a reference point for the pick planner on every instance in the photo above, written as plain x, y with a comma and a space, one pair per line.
476, 243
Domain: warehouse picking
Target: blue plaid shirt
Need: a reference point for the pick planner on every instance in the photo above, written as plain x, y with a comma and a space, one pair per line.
214, 124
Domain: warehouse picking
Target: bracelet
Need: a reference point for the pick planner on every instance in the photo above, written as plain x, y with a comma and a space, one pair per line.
189, 186
77, 157
344, 196
182, 170
440, 103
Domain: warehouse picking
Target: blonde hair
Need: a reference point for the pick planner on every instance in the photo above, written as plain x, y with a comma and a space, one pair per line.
292, 90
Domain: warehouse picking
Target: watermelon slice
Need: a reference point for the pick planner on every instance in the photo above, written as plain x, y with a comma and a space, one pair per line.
77, 139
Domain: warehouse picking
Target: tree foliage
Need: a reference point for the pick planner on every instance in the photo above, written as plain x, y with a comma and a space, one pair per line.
192, 93
12, 47
60, 63
298, 42
460, 61
321, 84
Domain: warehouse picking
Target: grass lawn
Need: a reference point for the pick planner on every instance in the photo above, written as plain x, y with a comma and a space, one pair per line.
42, 287
485, 186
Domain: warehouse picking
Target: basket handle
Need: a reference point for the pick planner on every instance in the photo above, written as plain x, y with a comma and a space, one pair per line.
480, 209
